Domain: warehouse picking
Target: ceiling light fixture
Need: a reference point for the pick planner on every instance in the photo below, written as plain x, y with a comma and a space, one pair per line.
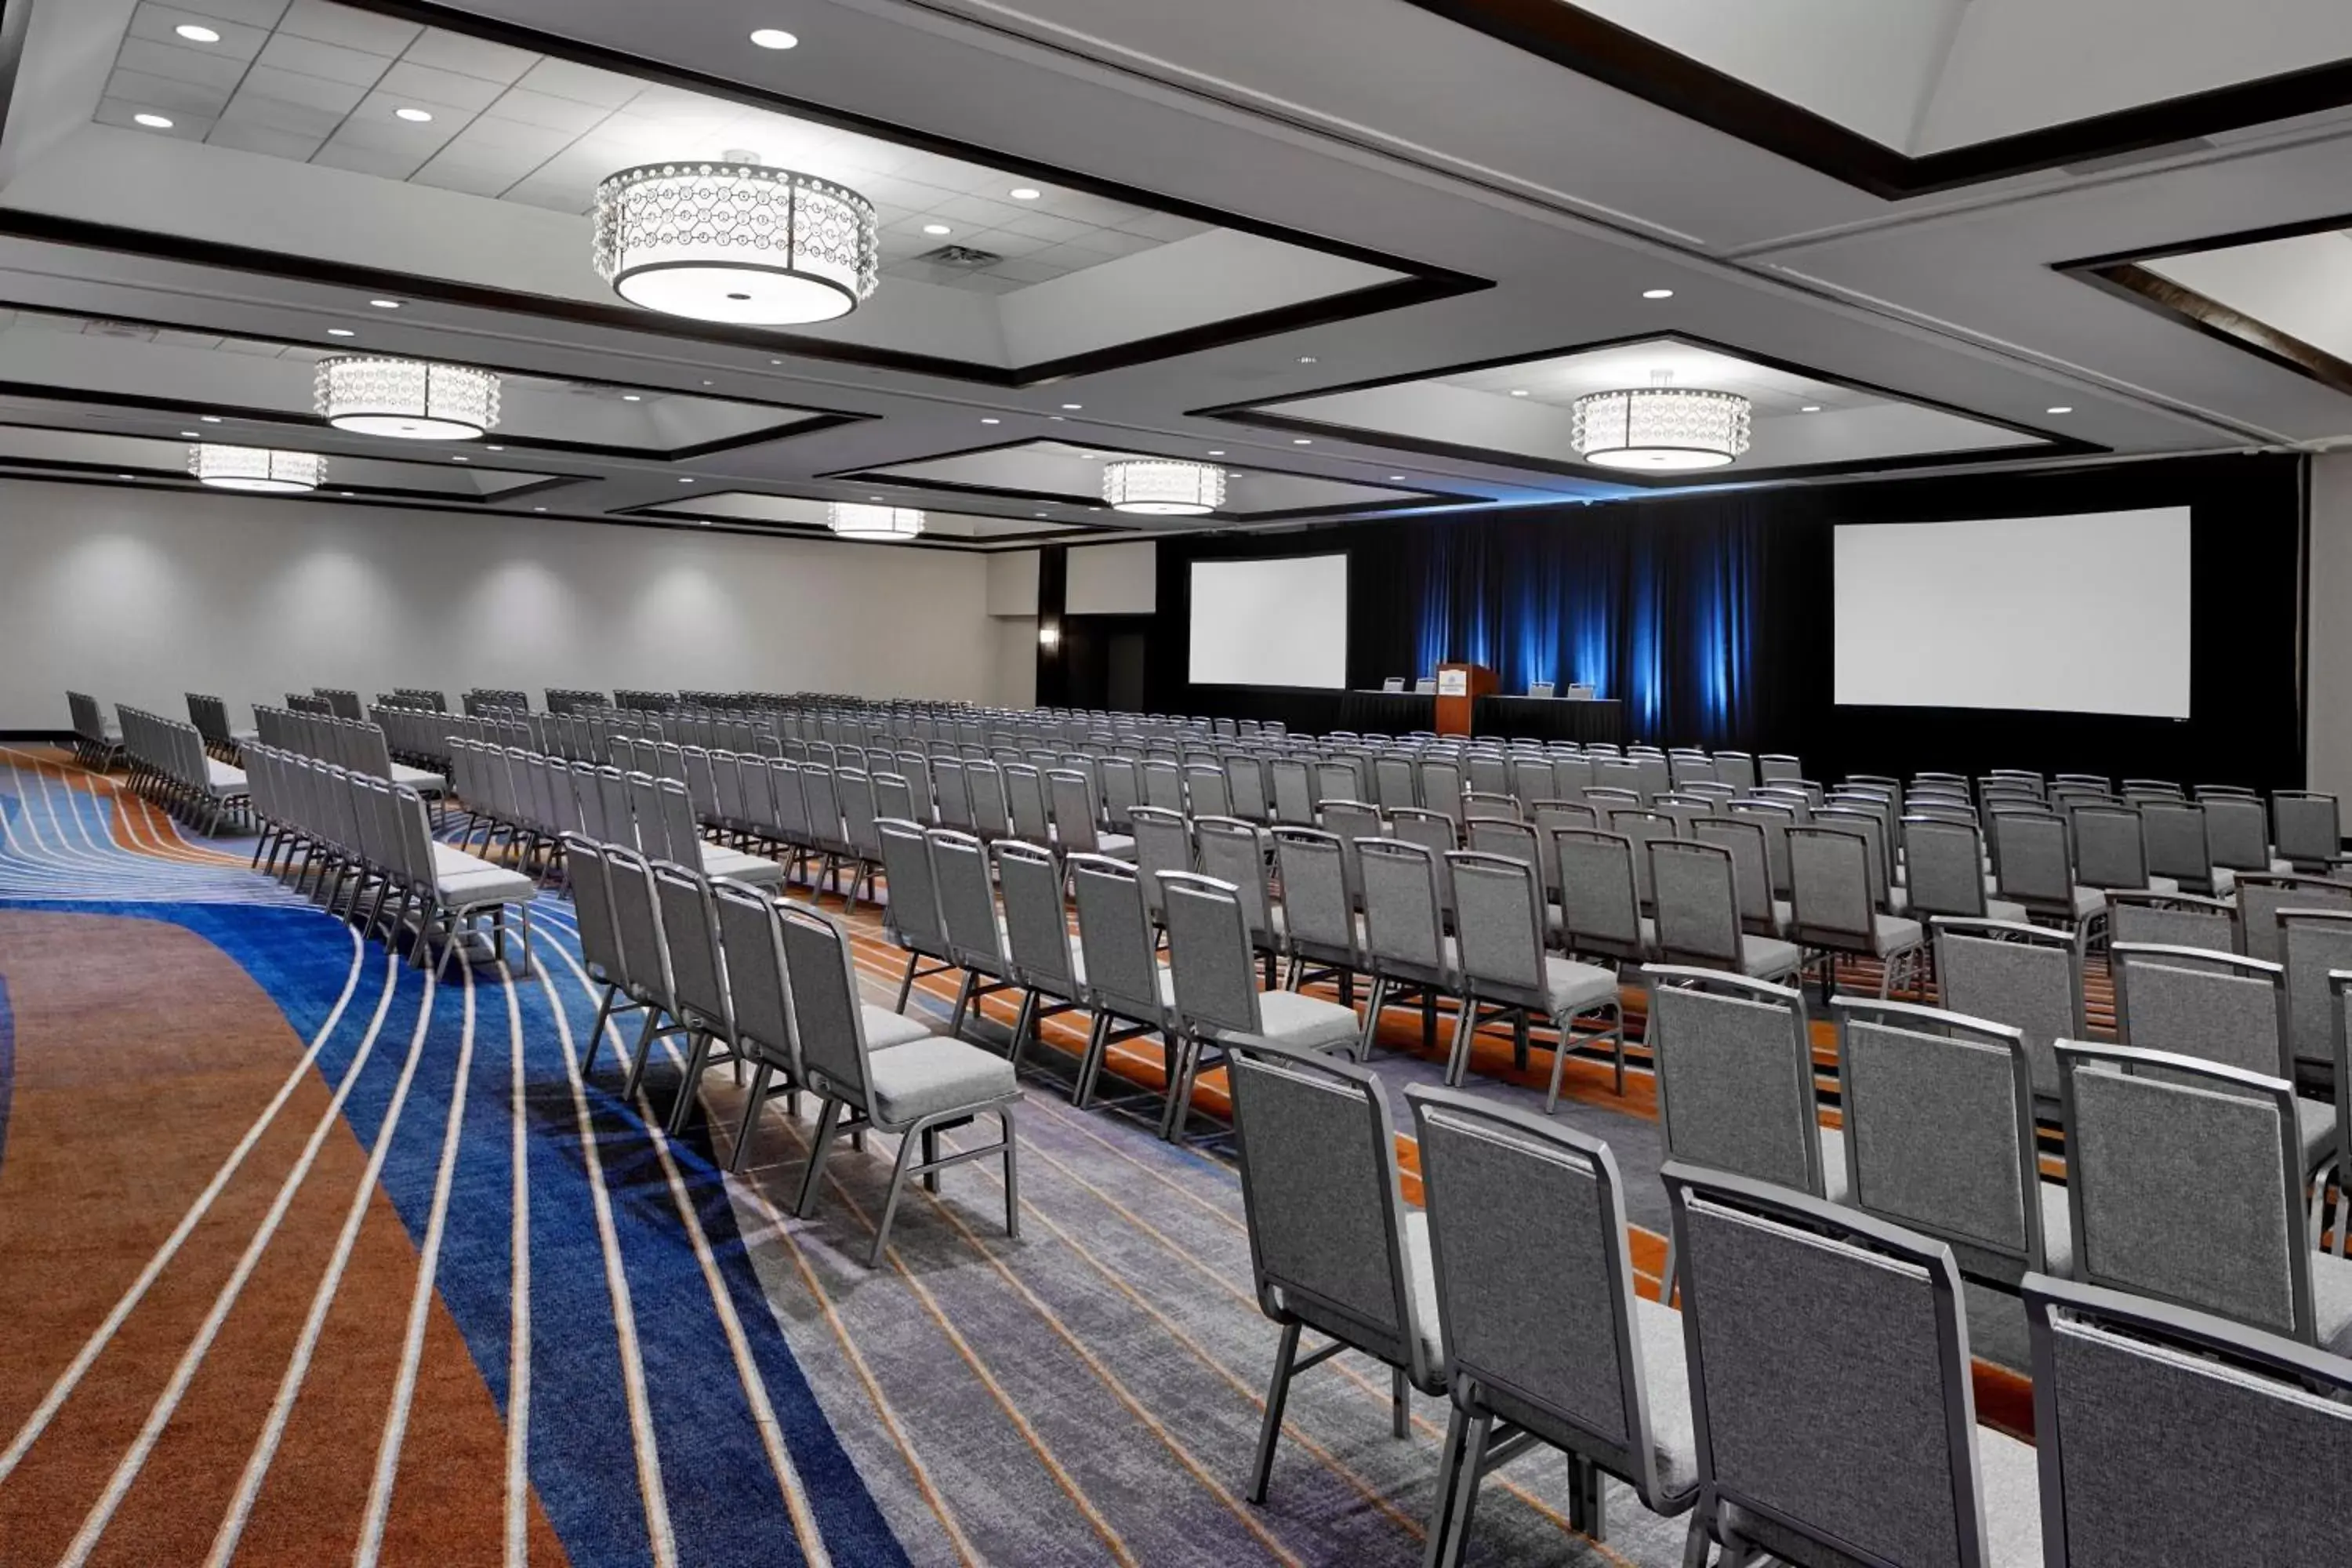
1810, 408
2063, 408
1163, 487
209, 418
886, 524
407, 398
1302, 441
986, 419
1306, 359
1661, 427
414, 116
1074, 405
1519, 392
1026, 192
255, 469
1657, 294
152, 121
385, 304
1216, 451
735, 241
341, 332
196, 33
937, 228
632, 398
774, 39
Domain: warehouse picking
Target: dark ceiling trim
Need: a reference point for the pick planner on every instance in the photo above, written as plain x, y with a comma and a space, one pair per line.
1409, 499
334, 489
402, 501
1066, 534
2208, 316
80, 396
1260, 413
1567, 35
1421, 282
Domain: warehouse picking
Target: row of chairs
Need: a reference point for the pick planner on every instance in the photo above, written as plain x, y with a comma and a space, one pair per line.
170, 765
1813, 1399
772, 983
353, 744
370, 842
97, 739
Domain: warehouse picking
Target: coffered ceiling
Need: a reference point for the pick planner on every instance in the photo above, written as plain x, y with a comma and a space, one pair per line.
1327, 241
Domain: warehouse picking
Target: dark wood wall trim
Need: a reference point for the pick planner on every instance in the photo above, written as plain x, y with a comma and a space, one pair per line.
1586, 44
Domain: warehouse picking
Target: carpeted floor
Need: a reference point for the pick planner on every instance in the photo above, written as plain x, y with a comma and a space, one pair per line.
304, 1256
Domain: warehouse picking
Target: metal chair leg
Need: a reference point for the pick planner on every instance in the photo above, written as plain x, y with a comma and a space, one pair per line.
744, 1129
827, 1124
1270, 1429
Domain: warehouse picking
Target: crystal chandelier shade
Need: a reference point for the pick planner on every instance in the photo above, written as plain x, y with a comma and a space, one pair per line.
859, 520
408, 398
1661, 428
735, 241
1160, 487
255, 469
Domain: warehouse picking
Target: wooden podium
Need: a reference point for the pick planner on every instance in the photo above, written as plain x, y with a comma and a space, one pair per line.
1459, 687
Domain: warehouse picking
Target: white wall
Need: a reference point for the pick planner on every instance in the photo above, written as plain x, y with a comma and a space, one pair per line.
140, 596
1113, 579
2328, 701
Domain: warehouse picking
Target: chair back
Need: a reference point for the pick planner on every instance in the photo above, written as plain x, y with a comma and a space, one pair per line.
1320, 1192
2174, 919
2032, 859
2261, 896
2173, 832
1499, 926
1735, 1075
592, 899
2028, 978
1230, 850
1293, 784
828, 1025
1600, 899
1209, 955
1122, 969
638, 922
1829, 1377
1829, 885
690, 927
1938, 1112
966, 903
1697, 887
1317, 911
912, 915
1163, 842
1945, 861
2237, 831
2185, 1181
752, 933
2218, 1006
1037, 926
2109, 849
1404, 923
2104, 1360
1535, 1282
2304, 829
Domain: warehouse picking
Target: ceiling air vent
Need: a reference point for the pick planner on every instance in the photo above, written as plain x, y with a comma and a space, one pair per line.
961, 256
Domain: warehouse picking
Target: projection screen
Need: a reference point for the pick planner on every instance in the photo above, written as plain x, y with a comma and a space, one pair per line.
2084, 614
1270, 623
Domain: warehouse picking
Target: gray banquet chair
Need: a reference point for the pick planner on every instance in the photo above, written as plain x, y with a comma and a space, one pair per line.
913, 1090
1333, 1247
1699, 913
1406, 949
1831, 1389
1504, 969
1039, 954
2028, 978
1125, 985
1544, 1332
1836, 911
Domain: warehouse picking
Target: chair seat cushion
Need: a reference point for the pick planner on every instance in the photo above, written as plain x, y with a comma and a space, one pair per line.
222, 779
928, 1076
1422, 1275
2006, 1470
2331, 1301
490, 885
2003, 909
1305, 1022
2089, 901
448, 860
884, 1028
1768, 958
1571, 988
418, 779
1784, 917
1666, 1370
2315, 1120
1834, 1183
1117, 845
2057, 1230
753, 871
1894, 935
2225, 881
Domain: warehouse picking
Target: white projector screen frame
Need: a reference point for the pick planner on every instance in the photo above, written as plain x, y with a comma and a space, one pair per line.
1270, 621
2087, 613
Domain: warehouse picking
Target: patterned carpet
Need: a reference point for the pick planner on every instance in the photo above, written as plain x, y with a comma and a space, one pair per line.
311, 1257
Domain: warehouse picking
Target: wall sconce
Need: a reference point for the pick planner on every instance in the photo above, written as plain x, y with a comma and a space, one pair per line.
1049, 635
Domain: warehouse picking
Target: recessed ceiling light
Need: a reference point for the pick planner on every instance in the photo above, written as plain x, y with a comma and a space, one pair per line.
341, 332
1519, 392
346, 494
414, 116
1396, 476
774, 39
1302, 441
197, 34
538, 508
1306, 359
1810, 408
631, 397
686, 482
1216, 451
2062, 409
1058, 419
385, 304
873, 497
188, 435
1074, 405
209, 418
152, 121
1657, 294
1026, 192
459, 458
497, 448
937, 228
985, 419
127, 476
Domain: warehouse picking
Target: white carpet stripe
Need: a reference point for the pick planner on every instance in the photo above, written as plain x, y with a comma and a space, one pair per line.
75, 1371
755, 1387
518, 1488
420, 1302
103, 1512
297, 1367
